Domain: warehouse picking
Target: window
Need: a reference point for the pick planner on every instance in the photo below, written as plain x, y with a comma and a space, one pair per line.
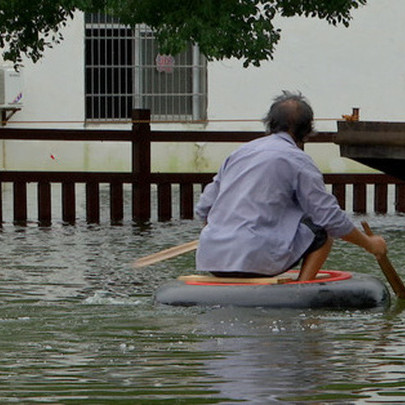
124, 70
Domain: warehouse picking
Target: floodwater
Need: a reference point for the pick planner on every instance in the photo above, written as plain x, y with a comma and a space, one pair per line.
78, 325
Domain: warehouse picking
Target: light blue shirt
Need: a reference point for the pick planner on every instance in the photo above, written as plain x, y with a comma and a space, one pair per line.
255, 205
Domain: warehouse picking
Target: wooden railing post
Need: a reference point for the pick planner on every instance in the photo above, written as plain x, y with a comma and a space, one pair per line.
380, 198
164, 202
92, 202
1, 204
141, 165
360, 198
400, 198
116, 202
186, 201
68, 202
339, 191
44, 203
20, 203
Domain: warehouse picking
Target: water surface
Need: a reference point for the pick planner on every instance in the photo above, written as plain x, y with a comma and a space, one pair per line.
78, 325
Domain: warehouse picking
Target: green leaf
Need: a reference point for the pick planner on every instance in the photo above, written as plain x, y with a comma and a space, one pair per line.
222, 28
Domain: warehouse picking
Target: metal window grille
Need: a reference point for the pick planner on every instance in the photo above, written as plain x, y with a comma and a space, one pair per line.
124, 70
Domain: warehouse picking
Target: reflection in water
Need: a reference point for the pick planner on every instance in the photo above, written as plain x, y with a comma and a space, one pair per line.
79, 325
311, 356
266, 353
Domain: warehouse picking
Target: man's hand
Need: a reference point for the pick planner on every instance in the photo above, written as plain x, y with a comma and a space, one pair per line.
372, 243
377, 246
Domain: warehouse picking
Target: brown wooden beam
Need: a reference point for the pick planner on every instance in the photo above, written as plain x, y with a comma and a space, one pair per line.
92, 203
359, 198
380, 198
68, 202
20, 203
116, 203
339, 191
400, 198
164, 202
186, 201
44, 204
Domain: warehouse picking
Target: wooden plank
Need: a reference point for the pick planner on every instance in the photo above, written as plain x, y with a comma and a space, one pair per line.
93, 203
44, 204
164, 202
156, 178
166, 254
280, 279
380, 198
226, 136
20, 203
359, 198
205, 136
367, 178
156, 136
65, 134
116, 203
68, 203
66, 177
186, 201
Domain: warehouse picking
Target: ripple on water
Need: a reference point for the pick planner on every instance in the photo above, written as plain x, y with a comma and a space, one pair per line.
78, 324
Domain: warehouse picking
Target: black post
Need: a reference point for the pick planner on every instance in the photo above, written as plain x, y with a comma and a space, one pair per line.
44, 203
141, 165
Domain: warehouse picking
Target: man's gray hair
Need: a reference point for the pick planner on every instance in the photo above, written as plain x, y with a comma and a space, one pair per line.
292, 113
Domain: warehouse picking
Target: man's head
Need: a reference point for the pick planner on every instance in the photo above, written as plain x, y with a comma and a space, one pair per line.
290, 113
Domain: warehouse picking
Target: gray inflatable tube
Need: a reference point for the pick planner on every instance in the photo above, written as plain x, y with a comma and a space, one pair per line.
339, 290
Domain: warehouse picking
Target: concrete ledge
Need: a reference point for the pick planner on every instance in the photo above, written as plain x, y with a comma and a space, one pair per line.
370, 133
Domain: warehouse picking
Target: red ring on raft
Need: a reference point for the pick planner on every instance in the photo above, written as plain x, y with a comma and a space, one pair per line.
333, 275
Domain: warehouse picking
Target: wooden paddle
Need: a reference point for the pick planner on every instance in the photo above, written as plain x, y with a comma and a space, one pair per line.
166, 254
388, 269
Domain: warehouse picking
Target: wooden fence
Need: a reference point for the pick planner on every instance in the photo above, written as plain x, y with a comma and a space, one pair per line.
140, 178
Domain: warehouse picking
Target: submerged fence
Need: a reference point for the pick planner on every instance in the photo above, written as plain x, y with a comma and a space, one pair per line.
141, 180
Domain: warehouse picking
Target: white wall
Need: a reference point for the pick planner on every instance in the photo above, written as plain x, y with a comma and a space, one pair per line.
53, 97
53, 87
336, 68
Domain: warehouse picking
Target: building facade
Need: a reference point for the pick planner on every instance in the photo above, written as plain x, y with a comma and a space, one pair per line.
102, 70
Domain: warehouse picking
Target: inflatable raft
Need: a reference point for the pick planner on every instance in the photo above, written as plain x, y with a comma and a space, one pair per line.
331, 289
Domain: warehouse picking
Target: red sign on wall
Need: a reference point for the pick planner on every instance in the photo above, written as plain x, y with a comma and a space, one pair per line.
164, 63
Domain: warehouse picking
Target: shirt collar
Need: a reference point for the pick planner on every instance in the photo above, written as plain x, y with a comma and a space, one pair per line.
286, 137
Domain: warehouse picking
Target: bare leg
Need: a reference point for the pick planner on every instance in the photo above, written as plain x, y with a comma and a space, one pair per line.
314, 261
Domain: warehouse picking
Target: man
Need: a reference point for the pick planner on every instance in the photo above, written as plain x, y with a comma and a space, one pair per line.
267, 209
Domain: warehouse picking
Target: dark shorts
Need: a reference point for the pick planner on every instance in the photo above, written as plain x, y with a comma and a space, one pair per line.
320, 238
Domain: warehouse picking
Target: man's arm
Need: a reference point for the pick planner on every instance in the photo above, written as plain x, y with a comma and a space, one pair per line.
374, 244
209, 196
